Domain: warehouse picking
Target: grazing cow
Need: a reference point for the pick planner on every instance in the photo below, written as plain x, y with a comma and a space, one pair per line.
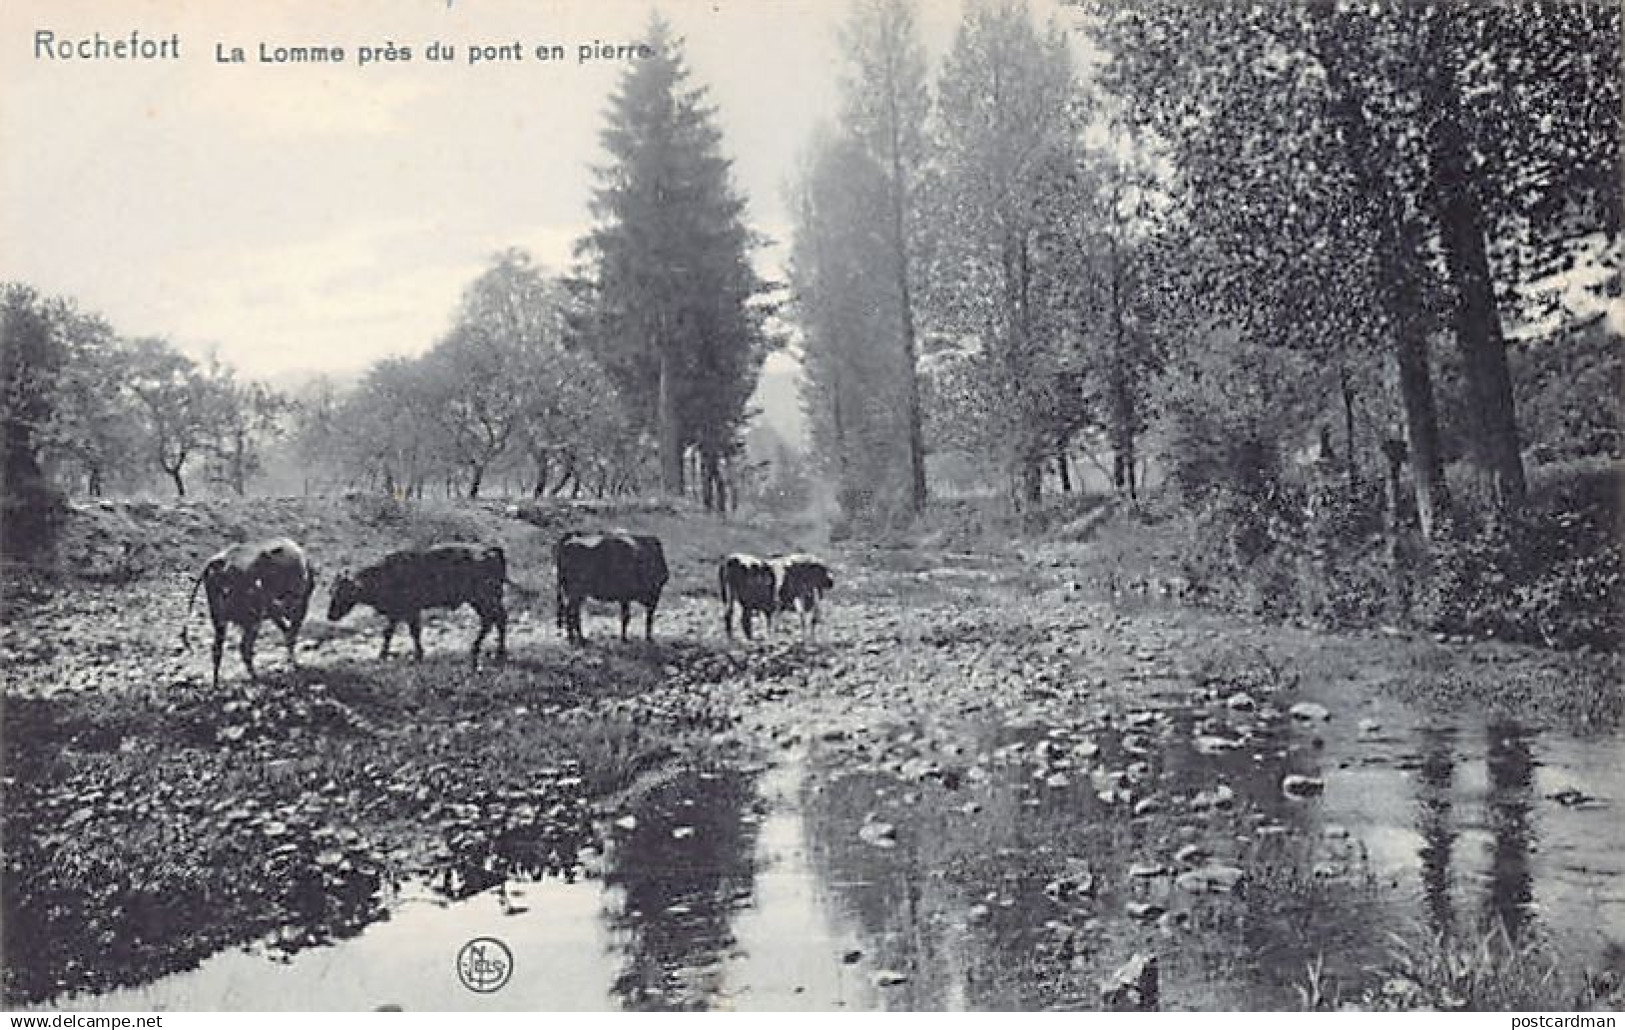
802, 581
616, 567
752, 584
249, 583
443, 576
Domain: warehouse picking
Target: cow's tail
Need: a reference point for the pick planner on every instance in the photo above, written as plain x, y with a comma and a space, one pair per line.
186, 624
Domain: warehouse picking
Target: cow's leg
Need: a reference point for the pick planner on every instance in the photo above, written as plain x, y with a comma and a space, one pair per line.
572, 619
626, 616
414, 623
389, 635
728, 617
501, 620
219, 648
648, 620
479, 638
245, 647
290, 636
745, 619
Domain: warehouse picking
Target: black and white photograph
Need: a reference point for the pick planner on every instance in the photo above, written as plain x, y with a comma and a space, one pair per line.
812, 505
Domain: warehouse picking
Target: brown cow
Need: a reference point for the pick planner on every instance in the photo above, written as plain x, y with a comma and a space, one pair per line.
801, 581
617, 567
443, 576
752, 584
249, 583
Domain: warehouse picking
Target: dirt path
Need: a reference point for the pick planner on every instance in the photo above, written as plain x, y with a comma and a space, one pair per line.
981, 787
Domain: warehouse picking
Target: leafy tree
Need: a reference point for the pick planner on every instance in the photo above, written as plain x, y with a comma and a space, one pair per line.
389, 423
675, 319
487, 371
32, 357
179, 405
97, 430
317, 431
887, 104
1281, 181
855, 388
1004, 112
1387, 119
247, 417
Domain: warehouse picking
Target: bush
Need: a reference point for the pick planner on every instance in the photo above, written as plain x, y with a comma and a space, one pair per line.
1530, 580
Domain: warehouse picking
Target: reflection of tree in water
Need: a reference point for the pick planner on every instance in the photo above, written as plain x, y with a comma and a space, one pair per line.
891, 891
1434, 804
914, 899
680, 888
1511, 765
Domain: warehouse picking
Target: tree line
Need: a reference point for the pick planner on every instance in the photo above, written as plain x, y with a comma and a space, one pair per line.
629, 371
98, 412
1239, 230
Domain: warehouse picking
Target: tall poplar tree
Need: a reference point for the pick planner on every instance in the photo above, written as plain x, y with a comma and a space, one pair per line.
887, 104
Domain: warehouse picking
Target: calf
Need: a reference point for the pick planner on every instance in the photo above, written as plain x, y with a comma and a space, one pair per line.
616, 567
443, 576
752, 584
801, 581
248, 583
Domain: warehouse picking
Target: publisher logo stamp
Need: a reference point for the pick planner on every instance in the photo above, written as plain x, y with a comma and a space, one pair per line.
484, 965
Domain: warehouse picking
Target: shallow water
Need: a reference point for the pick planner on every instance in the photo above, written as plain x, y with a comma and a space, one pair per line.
914, 864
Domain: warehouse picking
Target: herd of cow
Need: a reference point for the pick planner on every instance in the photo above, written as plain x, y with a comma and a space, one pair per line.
248, 584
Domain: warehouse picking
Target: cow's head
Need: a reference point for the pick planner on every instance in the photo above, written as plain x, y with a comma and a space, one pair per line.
346, 594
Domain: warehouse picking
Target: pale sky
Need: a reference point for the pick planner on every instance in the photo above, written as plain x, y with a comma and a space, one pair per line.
318, 217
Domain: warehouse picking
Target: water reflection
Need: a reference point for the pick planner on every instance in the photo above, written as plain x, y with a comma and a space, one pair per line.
1435, 806
678, 876
1509, 804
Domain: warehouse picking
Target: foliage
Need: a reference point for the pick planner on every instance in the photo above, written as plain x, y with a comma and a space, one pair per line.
854, 388
1547, 577
886, 111
32, 356
674, 313
1005, 126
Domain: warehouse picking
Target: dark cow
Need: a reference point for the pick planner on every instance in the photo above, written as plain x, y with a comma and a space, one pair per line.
443, 576
752, 584
802, 581
616, 567
249, 583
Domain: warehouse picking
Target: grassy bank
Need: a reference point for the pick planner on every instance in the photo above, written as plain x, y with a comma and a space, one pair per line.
150, 820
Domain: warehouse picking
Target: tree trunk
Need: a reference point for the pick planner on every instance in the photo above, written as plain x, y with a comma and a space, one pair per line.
670, 428
1032, 480
707, 483
1477, 321
911, 394
1122, 394
1397, 285
542, 469
1416, 396
476, 476
1063, 469
175, 477
1347, 386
